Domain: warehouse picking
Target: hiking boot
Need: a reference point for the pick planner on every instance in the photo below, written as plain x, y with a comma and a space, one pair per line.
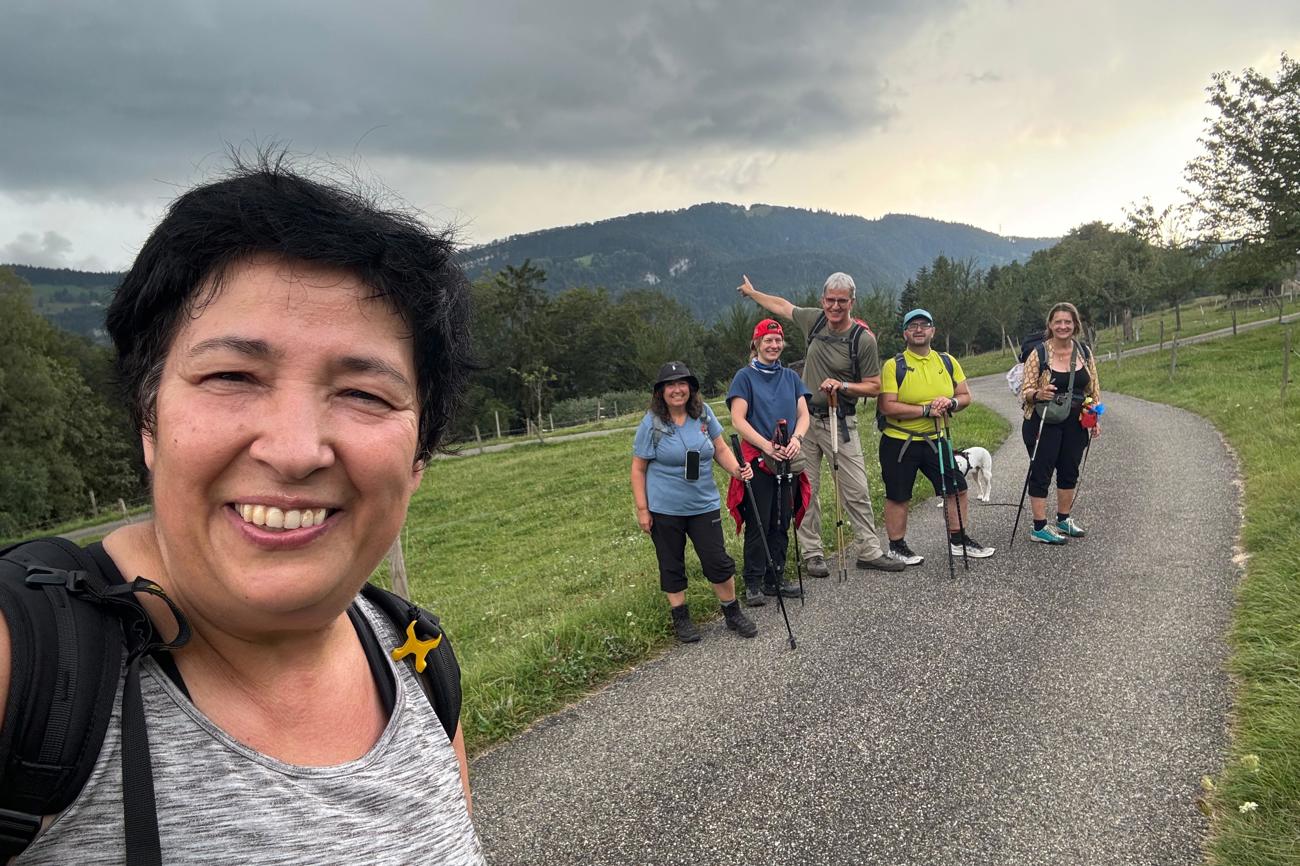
900, 552
1047, 535
787, 589
974, 549
683, 627
754, 596
1070, 528
737, 621
880, 563
815, 566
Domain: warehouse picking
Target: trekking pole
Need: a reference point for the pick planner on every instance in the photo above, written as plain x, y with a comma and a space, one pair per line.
1033, 454
946, 439
943, 486
783, 439
835, 479
1083, 464
762, 530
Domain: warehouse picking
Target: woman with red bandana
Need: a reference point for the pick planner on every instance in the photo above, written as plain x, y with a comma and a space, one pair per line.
763, 394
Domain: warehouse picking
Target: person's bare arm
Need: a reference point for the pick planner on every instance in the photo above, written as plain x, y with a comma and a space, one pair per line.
643, 518
774, 305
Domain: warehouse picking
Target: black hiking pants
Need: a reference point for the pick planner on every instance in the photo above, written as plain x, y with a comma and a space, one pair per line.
1060, 452
772, 524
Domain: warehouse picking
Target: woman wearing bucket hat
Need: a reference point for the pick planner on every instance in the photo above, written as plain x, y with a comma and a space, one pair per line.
676, 496
769, 409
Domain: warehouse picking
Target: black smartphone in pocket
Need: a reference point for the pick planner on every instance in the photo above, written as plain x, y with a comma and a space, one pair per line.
692, 466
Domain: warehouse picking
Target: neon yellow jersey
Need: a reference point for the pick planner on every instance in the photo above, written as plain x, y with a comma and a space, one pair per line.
926, 379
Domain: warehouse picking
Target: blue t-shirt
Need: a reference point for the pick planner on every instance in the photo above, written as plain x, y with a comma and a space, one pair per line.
666, 489
771, 395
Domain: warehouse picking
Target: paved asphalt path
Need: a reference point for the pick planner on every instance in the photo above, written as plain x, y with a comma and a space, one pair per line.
1051, 706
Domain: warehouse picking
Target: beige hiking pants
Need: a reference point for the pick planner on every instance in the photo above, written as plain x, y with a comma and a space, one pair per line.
855, 498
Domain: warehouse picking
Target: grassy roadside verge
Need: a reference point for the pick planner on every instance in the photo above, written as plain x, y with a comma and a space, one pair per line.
1199, 317
1235, 383
533, 559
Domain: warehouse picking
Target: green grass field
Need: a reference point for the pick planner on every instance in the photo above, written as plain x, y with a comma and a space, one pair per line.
1199, 316
1236, 383
534, 560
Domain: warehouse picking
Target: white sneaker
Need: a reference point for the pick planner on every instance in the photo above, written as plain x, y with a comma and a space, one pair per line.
973, 549
898, 550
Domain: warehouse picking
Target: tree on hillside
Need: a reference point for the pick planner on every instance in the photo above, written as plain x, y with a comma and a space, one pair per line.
1003, 299
1176, 269
1245, 187
58, 439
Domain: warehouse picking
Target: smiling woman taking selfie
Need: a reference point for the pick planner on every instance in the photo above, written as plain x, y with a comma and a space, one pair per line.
292, 356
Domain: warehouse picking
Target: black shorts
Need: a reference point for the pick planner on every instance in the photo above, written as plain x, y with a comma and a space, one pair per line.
669, 533
900, 475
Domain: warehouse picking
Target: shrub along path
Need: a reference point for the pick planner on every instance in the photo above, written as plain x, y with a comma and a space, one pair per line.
1053, 705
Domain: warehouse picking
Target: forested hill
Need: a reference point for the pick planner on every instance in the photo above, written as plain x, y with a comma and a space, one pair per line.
698, 254
694, 255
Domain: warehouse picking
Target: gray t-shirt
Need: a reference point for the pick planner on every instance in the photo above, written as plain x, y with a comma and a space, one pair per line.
828, 356
221, 802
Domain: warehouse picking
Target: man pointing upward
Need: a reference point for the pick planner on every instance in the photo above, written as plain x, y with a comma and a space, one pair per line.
842, 360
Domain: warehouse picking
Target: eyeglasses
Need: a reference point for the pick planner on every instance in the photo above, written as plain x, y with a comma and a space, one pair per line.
919, 326
837, 302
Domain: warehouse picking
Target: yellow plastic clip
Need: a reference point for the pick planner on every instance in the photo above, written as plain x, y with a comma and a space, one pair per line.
416, 647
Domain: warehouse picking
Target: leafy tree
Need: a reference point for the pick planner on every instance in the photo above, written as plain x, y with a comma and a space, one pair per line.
1246, 185
58, 439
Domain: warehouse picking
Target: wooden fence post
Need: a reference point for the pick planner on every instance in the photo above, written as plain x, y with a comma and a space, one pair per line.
1234, 321
1286, 360
552, 417
94, 509
1173, 359
498, 414
1162, 335
397, 568
1119, 348
478, 437
126, 515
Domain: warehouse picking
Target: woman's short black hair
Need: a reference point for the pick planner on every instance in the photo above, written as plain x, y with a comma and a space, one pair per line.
265, 207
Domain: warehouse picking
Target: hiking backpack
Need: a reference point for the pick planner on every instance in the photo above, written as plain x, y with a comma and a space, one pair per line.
1016, 375
72, 629
900, 371
855, 331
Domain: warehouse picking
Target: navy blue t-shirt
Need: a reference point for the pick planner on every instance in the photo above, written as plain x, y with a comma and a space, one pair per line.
771, 395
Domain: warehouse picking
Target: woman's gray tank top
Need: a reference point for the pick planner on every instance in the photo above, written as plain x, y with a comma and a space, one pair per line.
222, 802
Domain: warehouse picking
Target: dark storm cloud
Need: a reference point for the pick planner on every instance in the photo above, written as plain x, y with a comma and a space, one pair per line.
103, 98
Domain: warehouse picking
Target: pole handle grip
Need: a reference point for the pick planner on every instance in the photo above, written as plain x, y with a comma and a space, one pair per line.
735, 446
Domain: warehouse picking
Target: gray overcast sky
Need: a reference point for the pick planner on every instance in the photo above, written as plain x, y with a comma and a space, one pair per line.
504, 117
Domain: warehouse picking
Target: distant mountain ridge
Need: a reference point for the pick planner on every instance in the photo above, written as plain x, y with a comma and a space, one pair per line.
697, 255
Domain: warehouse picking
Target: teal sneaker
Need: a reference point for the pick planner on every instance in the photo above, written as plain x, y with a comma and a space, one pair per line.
1070, 528
1047, 535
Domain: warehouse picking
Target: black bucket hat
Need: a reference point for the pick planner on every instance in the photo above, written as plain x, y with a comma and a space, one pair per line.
672, 371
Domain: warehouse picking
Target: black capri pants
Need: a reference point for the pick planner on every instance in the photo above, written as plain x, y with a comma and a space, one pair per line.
1060, 450
669, 533
899, 475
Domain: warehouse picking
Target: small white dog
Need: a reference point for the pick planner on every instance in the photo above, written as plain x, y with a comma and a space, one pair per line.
976, 465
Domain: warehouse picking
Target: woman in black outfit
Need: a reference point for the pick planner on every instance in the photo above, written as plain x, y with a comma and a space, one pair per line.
1060, 446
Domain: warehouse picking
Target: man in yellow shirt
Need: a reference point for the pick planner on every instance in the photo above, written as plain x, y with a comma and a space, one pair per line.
932, 387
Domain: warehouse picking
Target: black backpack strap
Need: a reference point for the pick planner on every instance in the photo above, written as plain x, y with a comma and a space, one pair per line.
900, 369
437, 669
816, 328
854, 333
